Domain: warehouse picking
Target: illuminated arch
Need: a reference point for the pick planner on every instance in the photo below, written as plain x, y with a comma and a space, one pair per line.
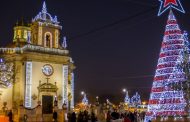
48, 40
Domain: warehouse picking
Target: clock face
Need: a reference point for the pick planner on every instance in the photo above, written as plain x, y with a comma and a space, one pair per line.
47, 70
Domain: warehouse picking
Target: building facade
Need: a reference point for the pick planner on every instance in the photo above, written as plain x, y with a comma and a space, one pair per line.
42, 69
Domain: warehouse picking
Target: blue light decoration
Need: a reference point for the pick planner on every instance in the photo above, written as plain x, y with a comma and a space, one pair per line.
85, 100
127, 98
72, 89
64, 43
45, 16
169, 4
136, 100
165, 100
1, 60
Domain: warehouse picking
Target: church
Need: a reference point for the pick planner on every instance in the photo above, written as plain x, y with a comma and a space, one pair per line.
36, 66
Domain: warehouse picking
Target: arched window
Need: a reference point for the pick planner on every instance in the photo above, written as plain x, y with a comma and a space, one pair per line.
48, 40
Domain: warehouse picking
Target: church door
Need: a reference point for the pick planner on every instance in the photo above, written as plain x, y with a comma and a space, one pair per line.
47, 104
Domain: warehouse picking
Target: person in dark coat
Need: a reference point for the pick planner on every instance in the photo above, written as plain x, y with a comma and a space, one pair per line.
10, 115
55, 116
132, 117
86, 116
108, 119
115, 115
93, 117
73, 117
69, 115
80, 117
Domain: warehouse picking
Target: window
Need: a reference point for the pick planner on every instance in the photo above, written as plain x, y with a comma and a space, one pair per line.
48, 40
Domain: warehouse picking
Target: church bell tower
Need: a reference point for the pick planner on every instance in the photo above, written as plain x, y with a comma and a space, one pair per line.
45, 29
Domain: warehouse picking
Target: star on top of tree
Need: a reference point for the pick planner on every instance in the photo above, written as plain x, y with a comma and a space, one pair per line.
169, 4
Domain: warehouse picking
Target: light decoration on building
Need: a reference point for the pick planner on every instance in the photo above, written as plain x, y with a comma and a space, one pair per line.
169, 4
6, 74
56, 38
28, 87
85, 100
64, 43
72, 89
136, 100
164, 99
127, 98
65, 84
44, 16
29, 37
34, 48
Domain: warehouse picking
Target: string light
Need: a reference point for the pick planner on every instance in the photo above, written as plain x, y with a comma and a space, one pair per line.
164, 99
136, 100
6, 73
45, 16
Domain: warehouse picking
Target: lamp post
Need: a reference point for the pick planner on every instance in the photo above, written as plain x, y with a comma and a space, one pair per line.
107, 104
143, 104
97, 100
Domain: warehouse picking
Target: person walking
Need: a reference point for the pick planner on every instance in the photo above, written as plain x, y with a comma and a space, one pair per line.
55, 116
73, 117
93, 117
10, 115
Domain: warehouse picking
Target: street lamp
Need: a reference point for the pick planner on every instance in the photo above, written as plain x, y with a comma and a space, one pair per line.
124, 90
107, 100
107, 104
97, 100
143, 104
82, 92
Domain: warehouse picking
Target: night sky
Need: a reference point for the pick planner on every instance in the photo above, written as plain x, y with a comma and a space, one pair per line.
115, 43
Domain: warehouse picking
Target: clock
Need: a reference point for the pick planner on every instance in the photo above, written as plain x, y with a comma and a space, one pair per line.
47, 70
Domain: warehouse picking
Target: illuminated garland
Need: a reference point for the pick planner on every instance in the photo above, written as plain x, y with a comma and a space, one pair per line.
6, 73
164, 100
45, 16
34, 48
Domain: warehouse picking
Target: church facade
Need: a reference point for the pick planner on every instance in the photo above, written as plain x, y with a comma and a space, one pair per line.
37, 68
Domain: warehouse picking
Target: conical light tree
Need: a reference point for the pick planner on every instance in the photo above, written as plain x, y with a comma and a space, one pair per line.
165, 100
127, 98
85, 100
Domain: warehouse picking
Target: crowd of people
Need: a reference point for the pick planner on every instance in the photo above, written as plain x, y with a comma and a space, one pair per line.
81, 117
126, 117
114, 116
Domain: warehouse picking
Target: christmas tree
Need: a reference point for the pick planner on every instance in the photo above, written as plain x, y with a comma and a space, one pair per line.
85, 100
127, 98
165, 100
136, 100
